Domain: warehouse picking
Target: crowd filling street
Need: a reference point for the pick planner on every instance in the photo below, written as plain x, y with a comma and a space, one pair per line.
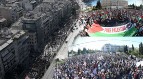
59, 37
99, 66
115, 17
42, 62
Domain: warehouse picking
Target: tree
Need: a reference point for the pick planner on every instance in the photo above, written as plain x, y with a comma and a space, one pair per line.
98, 6
126, 49
94, 8
84, 51
133, 6
141, 48
79, 52
132, 47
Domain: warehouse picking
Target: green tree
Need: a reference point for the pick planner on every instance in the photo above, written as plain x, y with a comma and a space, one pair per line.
98, 6
141, 48
84, 51
94, 8
126, 49
141, 6
79, 51
133, 47
133, 6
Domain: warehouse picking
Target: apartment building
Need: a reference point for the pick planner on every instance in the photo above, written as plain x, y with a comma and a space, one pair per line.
13, 50
45, 19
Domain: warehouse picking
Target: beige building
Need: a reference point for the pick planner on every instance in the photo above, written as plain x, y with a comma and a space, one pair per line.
114, 3
14, 50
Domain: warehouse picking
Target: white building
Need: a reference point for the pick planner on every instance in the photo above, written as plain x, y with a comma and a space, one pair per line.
114, 3
107, 48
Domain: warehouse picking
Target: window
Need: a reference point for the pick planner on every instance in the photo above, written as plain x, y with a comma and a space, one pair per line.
4, 53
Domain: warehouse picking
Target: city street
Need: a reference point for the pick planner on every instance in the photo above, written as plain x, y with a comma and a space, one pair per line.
62, 52
64, 48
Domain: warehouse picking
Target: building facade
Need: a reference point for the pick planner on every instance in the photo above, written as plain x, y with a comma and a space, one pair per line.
45, 19
14, 50
3, 22
109, 48
11, 12
114, 4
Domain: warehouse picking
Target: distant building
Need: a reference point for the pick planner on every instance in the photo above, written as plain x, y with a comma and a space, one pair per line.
114, 4
11, 12
14, 50
107, 48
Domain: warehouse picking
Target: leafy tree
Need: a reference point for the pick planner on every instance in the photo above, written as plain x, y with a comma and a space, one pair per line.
126, 49
141, 6
94, 8
133, 6
84, 51
141, 48
132, 47
79, 51
98, 6
134, 52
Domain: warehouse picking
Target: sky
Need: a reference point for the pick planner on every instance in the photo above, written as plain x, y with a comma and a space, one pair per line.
137, 2
97, 43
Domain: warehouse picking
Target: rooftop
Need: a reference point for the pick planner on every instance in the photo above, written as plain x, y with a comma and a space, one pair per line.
11, 1
17, 25
47, 7
2, 20
7, 36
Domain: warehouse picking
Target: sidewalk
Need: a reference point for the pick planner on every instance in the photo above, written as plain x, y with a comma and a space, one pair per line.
64, 48
63, 51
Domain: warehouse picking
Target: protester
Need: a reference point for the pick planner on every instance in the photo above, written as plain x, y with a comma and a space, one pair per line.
115, 17
99, 66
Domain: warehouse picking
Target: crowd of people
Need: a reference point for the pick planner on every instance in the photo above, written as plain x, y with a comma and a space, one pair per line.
115, 17
99, 66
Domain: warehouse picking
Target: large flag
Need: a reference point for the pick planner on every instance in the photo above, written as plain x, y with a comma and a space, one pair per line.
95, 27
124, 30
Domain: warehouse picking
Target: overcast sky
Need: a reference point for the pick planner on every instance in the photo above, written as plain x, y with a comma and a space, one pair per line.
137, 2
97, 43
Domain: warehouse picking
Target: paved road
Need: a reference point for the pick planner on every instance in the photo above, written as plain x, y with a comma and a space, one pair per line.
62, 52
64, 49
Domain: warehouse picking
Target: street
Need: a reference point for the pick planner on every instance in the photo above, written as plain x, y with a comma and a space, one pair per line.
65, 47
62, 52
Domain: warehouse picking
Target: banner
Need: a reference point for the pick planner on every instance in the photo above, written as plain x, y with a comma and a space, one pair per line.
120, 31
112, 30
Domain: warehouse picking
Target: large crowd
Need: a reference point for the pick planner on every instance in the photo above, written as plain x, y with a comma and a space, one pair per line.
99, 66
115, 17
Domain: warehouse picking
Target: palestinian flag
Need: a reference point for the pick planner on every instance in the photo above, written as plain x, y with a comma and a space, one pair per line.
97, 30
